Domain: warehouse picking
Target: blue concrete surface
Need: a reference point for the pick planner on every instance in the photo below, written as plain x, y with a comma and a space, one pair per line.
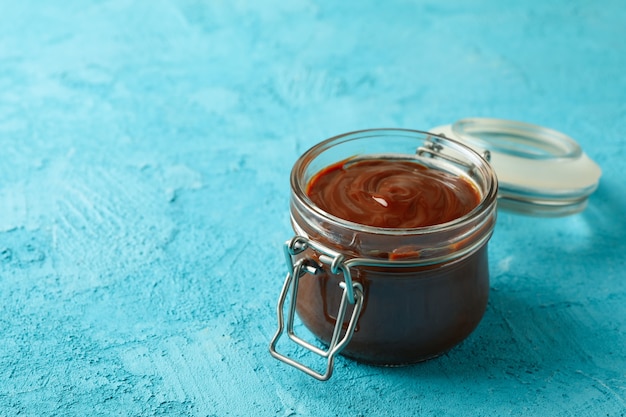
145, 149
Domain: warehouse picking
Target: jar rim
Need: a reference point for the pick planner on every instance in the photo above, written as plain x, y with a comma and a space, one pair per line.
488, 195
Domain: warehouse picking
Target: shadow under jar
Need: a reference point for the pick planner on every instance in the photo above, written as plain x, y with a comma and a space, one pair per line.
387, 295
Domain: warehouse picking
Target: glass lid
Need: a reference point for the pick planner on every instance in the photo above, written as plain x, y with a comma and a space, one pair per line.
540, 171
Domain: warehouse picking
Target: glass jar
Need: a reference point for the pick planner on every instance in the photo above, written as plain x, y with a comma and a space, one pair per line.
386, 296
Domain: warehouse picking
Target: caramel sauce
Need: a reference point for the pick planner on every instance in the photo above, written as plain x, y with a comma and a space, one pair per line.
410, 314
391, 193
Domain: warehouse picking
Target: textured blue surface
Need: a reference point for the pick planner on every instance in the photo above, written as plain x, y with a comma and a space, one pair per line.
145, 149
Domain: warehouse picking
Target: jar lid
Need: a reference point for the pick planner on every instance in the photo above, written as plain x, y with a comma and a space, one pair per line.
540, 171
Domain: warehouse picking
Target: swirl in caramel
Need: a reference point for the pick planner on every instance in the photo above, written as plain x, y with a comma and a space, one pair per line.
391, 193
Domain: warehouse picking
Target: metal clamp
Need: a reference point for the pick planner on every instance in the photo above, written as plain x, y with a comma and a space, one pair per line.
433, 148
352, 293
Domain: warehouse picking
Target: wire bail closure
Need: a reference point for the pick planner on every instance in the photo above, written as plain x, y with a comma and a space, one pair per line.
352, 294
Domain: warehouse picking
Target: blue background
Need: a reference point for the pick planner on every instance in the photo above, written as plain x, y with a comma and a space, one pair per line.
145, 151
